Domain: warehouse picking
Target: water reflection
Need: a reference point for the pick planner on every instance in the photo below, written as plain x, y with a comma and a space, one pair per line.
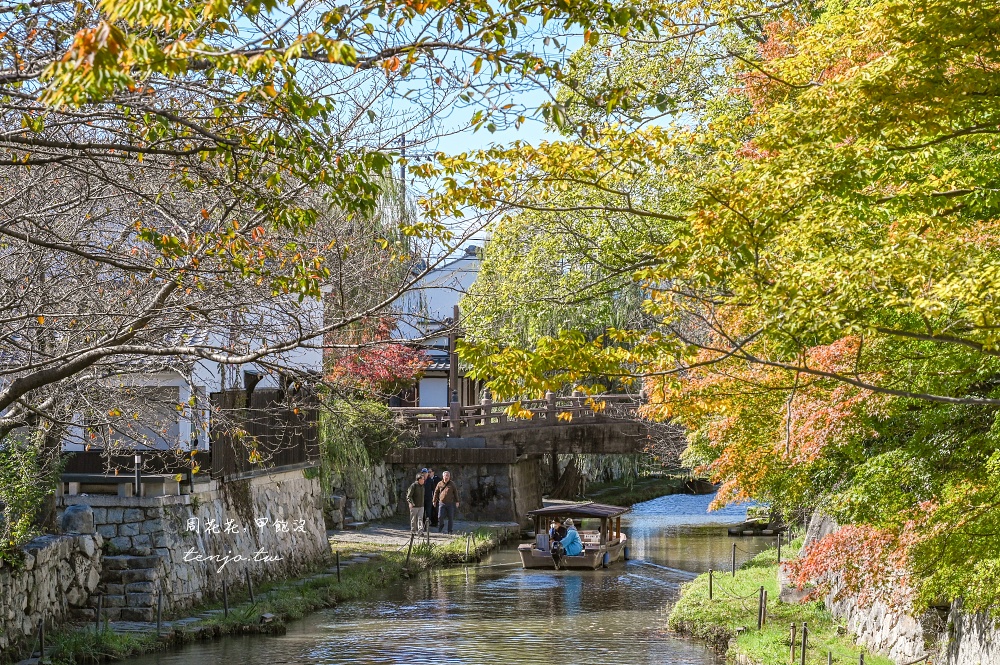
501, 614
679, 532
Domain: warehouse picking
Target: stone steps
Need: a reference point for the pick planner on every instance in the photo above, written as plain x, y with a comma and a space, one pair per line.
129, 587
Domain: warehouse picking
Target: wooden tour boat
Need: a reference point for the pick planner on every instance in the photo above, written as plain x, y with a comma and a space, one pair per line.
601, 546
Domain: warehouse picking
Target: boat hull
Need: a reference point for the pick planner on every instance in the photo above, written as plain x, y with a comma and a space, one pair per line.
590, 559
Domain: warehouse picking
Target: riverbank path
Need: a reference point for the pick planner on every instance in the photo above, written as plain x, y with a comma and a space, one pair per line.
395, 532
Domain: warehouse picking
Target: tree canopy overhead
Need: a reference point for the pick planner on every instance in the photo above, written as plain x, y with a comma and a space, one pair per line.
819, 287
208, 180
193, 143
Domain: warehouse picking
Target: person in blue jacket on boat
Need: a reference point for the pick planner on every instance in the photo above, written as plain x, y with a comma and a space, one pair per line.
571, 543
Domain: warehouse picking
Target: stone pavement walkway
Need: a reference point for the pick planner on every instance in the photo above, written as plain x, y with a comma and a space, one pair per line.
395, 533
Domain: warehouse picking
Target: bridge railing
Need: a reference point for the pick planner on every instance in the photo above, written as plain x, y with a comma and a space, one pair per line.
458, 420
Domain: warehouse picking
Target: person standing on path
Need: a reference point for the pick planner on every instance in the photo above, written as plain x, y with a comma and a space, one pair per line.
446, 500
415, 499
430, 484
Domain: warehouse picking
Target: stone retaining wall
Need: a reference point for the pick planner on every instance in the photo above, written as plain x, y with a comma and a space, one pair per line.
948, 636
58, 575
374, 499
973, 639
486, 491
185, 546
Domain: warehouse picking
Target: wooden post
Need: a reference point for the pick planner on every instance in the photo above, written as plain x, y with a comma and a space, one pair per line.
779, 547
618, 528
486, 410
225, 597
249, 586
861, 659
792, 642
710, 573
734, 559
454, 415
760, 609
763, 610
338, 566
829, 658
805, 633
550, 408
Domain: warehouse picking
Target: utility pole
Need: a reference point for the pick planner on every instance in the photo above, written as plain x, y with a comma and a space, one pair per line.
453, 357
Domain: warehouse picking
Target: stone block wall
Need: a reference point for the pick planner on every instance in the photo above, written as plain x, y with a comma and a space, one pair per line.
949, 636
58, 575
375, 500
487, 492
526, 483
334, 511
184, 546
972, 639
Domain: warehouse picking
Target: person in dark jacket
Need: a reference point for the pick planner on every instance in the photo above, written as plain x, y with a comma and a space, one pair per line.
446, 500
430, 483
415, 500
556, 532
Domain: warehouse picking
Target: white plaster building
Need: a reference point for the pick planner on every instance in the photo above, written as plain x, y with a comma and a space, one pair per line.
430, 307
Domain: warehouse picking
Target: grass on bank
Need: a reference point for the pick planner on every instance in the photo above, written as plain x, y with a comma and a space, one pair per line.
735, 606
86, 646
482, 540
620, 493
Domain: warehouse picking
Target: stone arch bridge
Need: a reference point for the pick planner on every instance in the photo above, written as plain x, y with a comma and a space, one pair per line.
496, 457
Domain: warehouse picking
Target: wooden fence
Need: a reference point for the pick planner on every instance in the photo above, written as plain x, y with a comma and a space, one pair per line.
97, 461
458, 420
276, 429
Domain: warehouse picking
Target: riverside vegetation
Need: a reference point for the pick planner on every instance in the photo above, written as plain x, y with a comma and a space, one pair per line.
734, 607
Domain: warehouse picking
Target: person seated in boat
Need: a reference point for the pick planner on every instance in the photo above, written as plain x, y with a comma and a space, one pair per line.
571, 544
556, 531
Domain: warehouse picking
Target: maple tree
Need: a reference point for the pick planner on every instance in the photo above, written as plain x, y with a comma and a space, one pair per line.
373, 363
819, 309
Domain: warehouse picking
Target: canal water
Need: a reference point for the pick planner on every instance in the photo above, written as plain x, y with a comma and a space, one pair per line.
499, 614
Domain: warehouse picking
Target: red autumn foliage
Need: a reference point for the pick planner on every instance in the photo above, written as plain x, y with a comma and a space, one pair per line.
378, 365
865, 561
761, 87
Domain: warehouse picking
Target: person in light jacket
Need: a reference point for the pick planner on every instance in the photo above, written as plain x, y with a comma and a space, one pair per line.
571, 543
446, 500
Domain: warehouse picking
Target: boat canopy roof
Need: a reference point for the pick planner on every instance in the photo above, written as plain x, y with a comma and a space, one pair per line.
589, 509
